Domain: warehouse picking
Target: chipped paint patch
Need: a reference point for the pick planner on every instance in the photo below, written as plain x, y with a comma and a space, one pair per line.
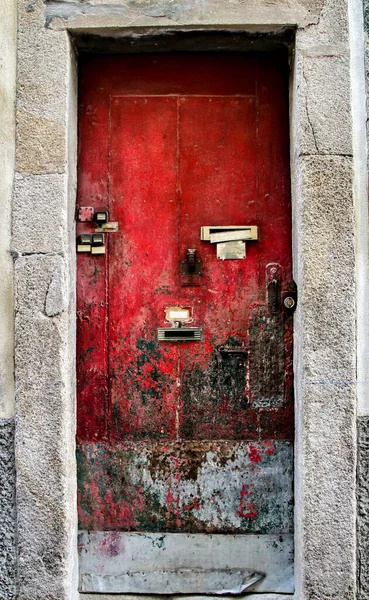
267, 358
197, 486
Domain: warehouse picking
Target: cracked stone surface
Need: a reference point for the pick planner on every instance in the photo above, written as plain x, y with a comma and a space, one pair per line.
327, 105
168, 12
45, 435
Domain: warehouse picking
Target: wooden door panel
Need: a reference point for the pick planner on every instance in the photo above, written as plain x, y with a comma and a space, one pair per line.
218, 188
185, 437
143, 267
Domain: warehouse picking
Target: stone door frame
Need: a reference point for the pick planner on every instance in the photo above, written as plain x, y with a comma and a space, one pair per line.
327, 165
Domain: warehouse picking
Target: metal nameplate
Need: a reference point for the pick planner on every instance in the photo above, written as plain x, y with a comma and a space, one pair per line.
231, 250
111, 227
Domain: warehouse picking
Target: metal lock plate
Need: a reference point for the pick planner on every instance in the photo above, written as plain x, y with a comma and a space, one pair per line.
185, 270
178, 314
289, 298
84, 247
192, 265
98, 246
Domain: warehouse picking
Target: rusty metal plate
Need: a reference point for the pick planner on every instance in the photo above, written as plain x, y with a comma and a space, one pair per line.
107, 227
112, 562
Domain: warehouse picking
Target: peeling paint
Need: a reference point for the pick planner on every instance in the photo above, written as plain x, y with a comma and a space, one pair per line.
203, 486
184, 437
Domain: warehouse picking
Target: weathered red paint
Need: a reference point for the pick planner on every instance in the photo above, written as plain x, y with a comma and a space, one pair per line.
169, 144
247, 508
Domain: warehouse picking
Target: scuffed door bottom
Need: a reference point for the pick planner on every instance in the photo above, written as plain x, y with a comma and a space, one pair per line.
139, 563
251, 596
188, 581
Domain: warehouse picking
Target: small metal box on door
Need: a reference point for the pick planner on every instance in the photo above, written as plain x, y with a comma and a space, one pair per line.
185, 390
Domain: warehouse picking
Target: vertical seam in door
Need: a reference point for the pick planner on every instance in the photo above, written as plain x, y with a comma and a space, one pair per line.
178, 198
107, 288
257, 108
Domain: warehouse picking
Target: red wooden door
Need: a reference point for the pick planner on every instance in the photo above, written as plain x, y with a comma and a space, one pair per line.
184, 437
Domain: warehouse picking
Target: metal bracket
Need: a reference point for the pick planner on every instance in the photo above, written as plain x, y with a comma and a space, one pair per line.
273, 278
192, 265
278, 299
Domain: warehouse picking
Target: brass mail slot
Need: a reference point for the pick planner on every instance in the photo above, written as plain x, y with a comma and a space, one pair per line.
225, 233
174, 334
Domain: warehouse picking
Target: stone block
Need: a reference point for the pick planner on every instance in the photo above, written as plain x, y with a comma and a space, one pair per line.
326, 268
143, 13
331, 30
327, 490
39, 214
41, 144
43, 65
325, 371
325, 113
33, 278
46, 503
